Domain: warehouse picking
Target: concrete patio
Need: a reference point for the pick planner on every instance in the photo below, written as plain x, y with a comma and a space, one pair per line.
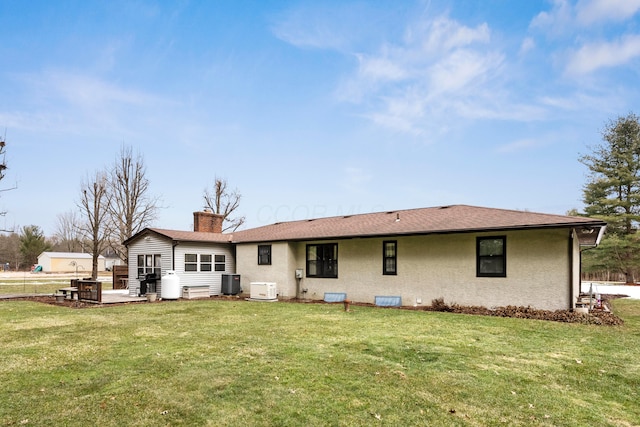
117, 296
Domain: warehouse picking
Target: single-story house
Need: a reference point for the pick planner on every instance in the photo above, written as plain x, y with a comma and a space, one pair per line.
464, 254
69, 262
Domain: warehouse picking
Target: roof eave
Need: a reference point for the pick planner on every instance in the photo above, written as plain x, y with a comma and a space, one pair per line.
432, 232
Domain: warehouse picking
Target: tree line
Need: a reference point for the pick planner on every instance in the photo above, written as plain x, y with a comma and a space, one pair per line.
114, 204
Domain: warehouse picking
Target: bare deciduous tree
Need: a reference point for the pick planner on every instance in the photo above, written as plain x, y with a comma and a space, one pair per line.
3, 163
131, 208
68, 232
10, 250
223, 201
3, 168
94, 208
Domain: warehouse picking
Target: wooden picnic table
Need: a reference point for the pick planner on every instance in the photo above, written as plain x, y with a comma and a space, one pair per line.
70, 292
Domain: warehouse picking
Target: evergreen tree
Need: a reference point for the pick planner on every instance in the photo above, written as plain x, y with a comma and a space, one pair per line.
612, 193
32, 244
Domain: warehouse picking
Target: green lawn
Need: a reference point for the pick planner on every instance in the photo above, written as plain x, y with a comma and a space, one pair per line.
244, 363
42, 283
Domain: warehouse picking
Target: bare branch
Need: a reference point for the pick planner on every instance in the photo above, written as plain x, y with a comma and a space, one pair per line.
131, 208
68, 231
224, 202
94, 208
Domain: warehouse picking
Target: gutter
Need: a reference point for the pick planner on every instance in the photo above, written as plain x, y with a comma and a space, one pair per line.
240, 240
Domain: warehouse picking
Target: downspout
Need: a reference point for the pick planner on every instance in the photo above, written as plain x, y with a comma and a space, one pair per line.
173, 255
571, 295
597, 243
584, 250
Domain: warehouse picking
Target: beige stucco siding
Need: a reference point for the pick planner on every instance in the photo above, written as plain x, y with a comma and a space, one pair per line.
429, 267
281, 271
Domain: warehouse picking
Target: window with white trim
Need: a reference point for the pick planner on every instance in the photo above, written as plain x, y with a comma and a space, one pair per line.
205, 262
219, 262
190, 262
149, 263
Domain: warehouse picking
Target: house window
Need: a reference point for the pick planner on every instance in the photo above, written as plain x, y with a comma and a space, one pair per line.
148, 264
219, 262
264, 254
322, 260
492, 256
390, 257
190, 262
205, 262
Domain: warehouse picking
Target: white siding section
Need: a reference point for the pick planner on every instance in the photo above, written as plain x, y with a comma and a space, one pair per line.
45, 261
212, 279
149, 245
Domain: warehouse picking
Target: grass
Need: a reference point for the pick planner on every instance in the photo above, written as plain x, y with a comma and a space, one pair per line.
241, 363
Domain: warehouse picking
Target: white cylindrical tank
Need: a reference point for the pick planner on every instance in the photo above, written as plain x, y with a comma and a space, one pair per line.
171, 288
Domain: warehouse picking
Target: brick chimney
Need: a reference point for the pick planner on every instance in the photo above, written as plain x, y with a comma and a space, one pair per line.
207, 222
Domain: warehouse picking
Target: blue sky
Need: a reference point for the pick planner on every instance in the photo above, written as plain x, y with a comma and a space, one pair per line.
313, 108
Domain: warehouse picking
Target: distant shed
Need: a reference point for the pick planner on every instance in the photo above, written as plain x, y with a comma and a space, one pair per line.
68, 262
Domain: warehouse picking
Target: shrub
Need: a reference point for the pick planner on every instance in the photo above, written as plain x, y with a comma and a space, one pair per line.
438, 304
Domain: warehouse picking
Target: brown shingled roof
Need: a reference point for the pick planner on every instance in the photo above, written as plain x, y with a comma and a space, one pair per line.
443, 219
188, 236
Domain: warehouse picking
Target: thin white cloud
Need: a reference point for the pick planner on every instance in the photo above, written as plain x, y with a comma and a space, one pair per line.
318, 36
441, 69
90, 91
355, 179
593, 11
587, 35
527, 45
519, 145
317, 26
593, 56
557, 20
380, 68
442, 74
497, 106
76, 103
462, 69
593, 100
565, 17
444, 34
403, 112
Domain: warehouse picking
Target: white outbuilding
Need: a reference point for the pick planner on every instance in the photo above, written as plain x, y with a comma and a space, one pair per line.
69, 262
